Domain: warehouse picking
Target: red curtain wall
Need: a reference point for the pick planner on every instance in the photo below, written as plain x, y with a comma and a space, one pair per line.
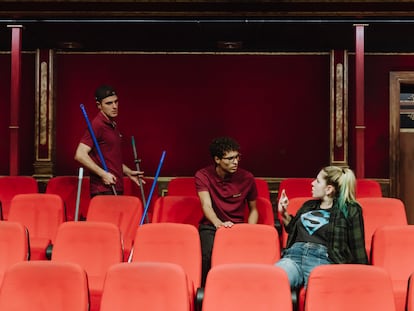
276, 106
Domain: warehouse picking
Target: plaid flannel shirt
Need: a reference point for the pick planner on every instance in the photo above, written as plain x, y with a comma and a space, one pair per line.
346, 239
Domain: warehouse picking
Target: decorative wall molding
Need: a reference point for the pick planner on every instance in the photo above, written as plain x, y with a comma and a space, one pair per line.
44, 115
339, 108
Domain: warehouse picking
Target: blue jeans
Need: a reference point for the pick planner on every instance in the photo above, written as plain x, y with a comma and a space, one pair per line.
300, 259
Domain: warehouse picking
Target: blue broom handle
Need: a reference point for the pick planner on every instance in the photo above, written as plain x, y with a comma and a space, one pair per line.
153, 187
95, 142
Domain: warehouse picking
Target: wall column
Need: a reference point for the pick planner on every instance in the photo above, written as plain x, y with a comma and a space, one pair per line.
15, 88
360, 100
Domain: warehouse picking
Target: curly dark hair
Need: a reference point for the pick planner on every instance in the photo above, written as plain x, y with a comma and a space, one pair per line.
221, 145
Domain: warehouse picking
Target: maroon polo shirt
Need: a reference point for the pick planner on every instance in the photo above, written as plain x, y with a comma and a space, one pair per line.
228, 195
109, 141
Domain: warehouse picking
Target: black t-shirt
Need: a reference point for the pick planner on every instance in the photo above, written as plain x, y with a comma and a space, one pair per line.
312, 226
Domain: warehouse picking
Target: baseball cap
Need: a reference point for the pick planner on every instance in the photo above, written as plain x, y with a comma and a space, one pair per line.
104, 91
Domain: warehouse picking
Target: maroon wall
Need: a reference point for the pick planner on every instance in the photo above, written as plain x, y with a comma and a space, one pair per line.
276, 106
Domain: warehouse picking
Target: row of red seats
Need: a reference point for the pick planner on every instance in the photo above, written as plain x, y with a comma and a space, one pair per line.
172, 208
150, 286
97, 246
67, 188
43, 213
295, 187
377, 211
154, 286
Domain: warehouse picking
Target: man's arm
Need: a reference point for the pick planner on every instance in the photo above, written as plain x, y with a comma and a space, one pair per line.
253, 212
136, 176
82, 156
208, 211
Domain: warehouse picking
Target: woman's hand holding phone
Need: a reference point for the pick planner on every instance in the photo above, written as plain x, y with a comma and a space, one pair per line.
283, 202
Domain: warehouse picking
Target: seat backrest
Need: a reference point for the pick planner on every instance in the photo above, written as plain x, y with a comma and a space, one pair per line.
246, 287
44, 286
14, 245
294, 205
67, 188
393, 250
262, 188
182, 186
246, 243
12, 185
122, 210
95, 246
178, 209
42, 215
131, 188
344, 287
265, 209
186, 186
367, 188
149, 286
173, 243
381, 211
296, 187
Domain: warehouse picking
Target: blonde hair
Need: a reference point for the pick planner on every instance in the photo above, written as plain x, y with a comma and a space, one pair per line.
343, 180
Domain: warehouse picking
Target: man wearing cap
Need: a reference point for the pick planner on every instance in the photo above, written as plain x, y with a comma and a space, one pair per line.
109, 140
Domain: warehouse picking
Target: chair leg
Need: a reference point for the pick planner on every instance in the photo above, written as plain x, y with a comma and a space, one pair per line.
198, 304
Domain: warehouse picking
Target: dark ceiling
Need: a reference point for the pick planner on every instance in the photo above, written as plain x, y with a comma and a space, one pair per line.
240, 26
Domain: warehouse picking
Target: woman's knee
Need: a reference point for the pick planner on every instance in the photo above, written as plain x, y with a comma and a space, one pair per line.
294, 272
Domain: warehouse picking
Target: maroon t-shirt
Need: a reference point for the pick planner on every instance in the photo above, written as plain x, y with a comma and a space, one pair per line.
229, 195
109, 141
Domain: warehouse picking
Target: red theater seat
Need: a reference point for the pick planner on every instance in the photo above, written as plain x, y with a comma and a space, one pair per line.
149, 286
131, 188
178, 209
67, 188
173, 243
186, 186
393, 250
296, 187
366, 188
262, 188
344, 287
246, 243
265, 210
12, 185
14, 245
182, 186
122, 210
378, 212
247, 287
41, 214
95, 246
44, 286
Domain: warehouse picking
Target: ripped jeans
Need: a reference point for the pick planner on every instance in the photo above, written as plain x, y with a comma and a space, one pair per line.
299, 260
